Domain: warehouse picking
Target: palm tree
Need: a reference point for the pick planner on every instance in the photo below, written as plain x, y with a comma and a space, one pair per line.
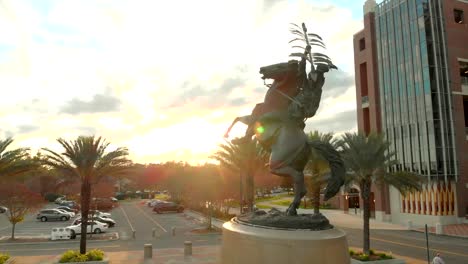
87, 160
246, 158
318, 166
368, 160
16, 162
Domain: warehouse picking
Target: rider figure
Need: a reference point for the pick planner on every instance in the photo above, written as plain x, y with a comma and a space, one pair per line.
293, 91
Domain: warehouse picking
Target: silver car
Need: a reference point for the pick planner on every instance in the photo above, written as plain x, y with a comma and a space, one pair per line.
52, 214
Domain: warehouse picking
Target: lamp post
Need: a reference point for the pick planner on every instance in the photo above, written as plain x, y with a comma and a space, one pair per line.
240, 192
210, 212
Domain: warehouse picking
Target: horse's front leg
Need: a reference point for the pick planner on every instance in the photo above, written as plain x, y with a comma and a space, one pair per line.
226, 135
244, 119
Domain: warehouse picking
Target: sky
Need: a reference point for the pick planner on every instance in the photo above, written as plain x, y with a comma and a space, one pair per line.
162, 78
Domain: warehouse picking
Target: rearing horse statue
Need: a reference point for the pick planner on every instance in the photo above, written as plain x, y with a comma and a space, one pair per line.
278, 124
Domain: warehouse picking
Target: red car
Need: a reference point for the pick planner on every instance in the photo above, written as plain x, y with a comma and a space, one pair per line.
167, 207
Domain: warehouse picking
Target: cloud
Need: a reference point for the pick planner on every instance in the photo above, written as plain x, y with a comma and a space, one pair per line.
6, 134
85, 130
238, 102
341, 122
99, 104
268, 4
336, 83
211, 97
27, 128
229, 84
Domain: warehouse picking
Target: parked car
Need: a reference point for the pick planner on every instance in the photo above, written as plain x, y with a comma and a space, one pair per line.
98, 227
110, 222
59, 199
99, 213
52, 214
68, 209
72, 214
3, 209
168, 207
70, 204
152, 203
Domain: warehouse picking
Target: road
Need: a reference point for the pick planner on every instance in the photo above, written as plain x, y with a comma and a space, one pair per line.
129, 215
393, 238
132, 215
412, 244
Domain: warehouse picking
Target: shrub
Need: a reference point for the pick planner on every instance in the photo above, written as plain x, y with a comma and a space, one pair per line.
75, 256
3, 258
372, 256
95, 254
384, 256
363, 257
120, 196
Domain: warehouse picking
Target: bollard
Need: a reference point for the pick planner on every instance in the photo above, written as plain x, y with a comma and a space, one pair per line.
154, 232
134, 234
188, 248
439, 229
173, 231
148, 251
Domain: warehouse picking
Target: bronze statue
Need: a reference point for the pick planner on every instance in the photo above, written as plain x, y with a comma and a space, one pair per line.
278, 123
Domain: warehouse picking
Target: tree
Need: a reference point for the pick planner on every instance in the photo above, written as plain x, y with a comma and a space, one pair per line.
14, 163
86, 159
247, 158
19, 200
368, 160
318, 167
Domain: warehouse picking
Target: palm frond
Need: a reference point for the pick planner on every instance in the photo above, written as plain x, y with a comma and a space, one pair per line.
15, 162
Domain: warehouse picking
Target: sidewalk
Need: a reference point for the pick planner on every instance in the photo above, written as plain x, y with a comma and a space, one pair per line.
341, 219
201, 255
457, 230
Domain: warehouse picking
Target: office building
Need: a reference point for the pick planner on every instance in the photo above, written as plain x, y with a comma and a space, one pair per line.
411, 65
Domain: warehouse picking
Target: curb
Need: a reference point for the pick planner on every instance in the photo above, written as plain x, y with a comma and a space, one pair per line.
216, 222
433, 233
70, 241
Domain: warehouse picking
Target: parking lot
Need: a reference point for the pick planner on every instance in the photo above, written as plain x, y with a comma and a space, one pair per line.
129, 216
31, 227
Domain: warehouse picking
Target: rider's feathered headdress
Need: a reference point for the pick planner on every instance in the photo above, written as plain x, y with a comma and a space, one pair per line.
309, 39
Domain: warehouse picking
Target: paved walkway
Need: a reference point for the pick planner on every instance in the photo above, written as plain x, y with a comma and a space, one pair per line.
340, 219
350, 220
201, 255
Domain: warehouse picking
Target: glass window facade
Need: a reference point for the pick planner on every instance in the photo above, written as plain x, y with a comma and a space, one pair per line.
414, 92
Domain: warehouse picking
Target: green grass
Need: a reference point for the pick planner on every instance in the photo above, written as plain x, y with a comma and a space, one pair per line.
273, 198
309, 204
262, 206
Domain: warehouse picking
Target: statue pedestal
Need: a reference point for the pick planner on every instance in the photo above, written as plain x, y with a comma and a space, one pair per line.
244, 244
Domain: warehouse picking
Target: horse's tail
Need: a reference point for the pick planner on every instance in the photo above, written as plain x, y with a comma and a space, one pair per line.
337, 168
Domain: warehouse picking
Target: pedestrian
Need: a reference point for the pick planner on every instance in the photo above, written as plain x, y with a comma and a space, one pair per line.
437, 259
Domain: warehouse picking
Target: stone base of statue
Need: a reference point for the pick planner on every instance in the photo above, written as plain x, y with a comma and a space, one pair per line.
244, 242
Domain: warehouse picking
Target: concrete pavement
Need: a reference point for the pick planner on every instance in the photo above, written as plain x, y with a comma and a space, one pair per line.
201, 255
